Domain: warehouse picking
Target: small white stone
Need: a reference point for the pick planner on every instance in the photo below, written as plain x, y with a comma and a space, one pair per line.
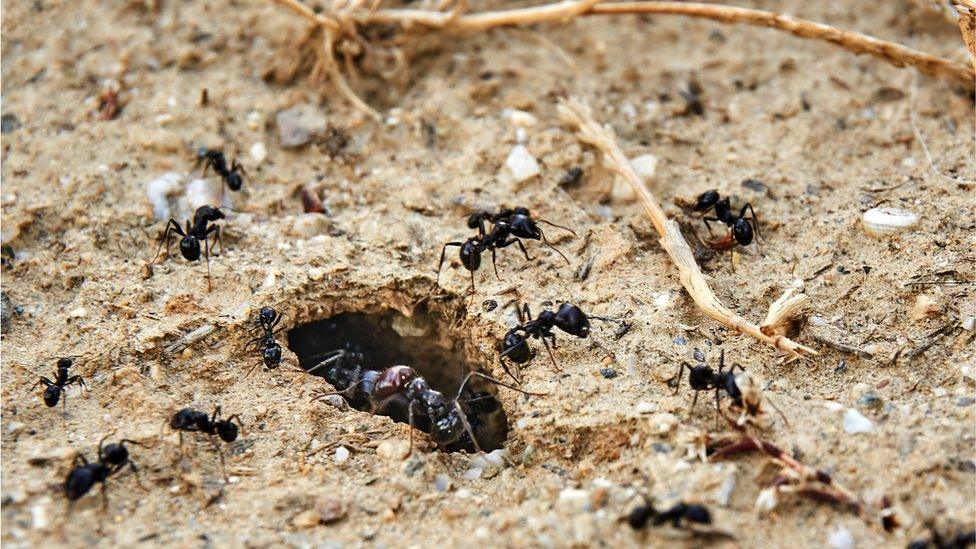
969, 322
855, 423
473, 474
520, 119
315, 273
573, 500
925, 305
463, 493
817, 321
644, 407
442, 482
841, 538
201, 192
270, 279
521, 135
80, 312
766, 501
158, 191
259, 152
233, 479
341, 454
39, 517
496, 458
521, 164
662, 300
255, 120
645, 165
393, 450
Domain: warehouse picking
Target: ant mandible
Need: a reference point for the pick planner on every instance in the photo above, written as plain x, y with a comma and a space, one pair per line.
212, 158
268, 318
191, 420
508, 226
194, 233
741, 228
55, 389
111, 460
568, 318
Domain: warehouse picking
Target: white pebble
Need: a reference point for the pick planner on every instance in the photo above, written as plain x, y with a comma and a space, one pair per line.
463, 493
645, 165
521, 164
573, 500
519, 119
644, 407
259, 152
201, 192
662, 300
315, 273
841, 538
255, 120
969, 322
766, 501
473, 474
39, 517
817, 321
886, 221
159, 189
855, 423
78, 313
341, 454
442, 482
496, 458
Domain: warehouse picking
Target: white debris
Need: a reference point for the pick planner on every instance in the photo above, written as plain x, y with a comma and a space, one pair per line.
80, 312
255, 120
766, 501
521, 164
662, 300
341, 454
473, 474
886, 221
841, 538
201, 192
645, 165
259, 152
159, 190
855, 423
644, 407
442, 482
573, 500
39, 517
519, 119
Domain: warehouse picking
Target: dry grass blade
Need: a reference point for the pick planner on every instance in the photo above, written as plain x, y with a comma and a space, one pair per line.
589, 131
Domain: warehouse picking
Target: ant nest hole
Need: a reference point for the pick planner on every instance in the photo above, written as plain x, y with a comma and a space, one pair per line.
424, 342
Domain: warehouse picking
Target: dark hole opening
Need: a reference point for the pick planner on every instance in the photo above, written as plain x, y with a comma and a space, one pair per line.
422, 342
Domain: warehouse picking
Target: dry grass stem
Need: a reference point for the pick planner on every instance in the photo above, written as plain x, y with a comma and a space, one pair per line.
589, 131
789, 307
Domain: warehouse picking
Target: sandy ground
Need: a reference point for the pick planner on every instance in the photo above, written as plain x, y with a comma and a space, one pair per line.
828, 134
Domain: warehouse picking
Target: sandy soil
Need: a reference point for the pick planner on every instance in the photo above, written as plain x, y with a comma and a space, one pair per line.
828, 134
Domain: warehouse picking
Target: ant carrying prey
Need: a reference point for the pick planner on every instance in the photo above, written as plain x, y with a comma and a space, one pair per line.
199, 230
54, 390
447, 421
568, 318
231, 177
268, 318
508, 226
111, 460
741, 228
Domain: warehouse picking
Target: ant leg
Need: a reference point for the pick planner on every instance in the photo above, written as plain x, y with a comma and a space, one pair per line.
172, 225
441, 262
755, 220
571, 231
206, 248
522, 246
555, 249
223, 464
472, 283
721, 360
490, 379
410, 423
677, 377
331, 357
216, 414
248, 374
551, 357
493, 265
104, 496
240, 423
467, 427
528, 313
709, 227
509, 373
694, 401
47, 383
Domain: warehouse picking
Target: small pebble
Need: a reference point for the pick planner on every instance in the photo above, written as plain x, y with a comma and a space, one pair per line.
341, 454
644, 407
855, 423
662, 447
259, 152
315, 273
841, 538
573, 500
473, 474
869, 400
442, 482
330, 511
754, 185
393, 450
680, 340
306, 519
645, 165
608, 373
80, 312
9, 123
965, 401
39, 517
521, 164
297, 125
925, 305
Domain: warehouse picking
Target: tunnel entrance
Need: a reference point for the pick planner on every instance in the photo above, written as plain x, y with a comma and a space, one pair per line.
354, 344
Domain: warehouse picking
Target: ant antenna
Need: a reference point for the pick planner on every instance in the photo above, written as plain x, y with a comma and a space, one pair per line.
571, 231
332, 356
546, 240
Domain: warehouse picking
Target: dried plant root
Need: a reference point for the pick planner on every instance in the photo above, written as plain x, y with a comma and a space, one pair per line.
589, 131
783, 311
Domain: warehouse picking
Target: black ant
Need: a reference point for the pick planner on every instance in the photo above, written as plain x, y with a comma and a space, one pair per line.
741, 228
508, 227
191, 420
194, 233
232, 177
268, 318
445, 419
111, 460
958, 541
568, 318
55, 389
680, 514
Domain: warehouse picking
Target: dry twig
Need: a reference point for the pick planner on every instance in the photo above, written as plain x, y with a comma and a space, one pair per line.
589, 131
346, 18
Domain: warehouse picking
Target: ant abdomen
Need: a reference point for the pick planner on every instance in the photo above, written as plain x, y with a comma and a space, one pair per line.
572, 320
516, 348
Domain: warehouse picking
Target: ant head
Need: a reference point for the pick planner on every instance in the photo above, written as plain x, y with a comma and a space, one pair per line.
742, 231
235, 181
52, 395
272, 356
190, 247
209, 213
115, 453
638, 518
572, 320
471, 254
447, 426
516, 348
523, 226
701, 377
227, 430
267, 315
65, 362
186, 417
706, 200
